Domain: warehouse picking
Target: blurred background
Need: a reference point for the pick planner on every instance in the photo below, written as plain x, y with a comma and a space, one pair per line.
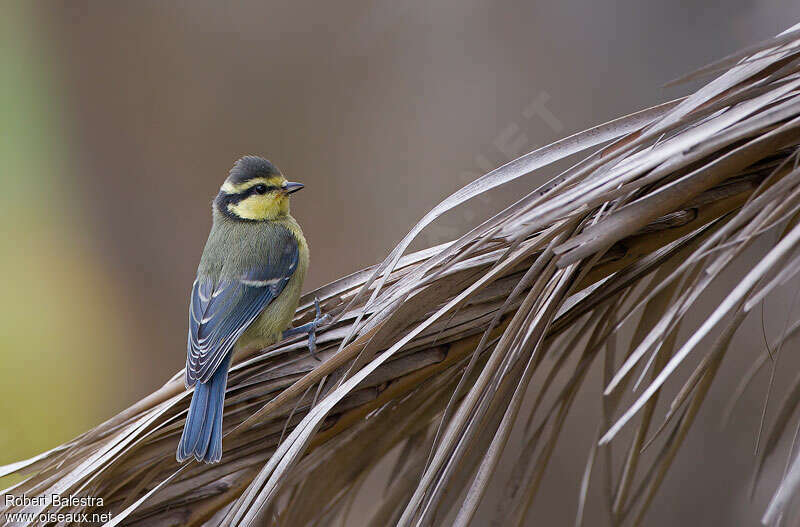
119, 121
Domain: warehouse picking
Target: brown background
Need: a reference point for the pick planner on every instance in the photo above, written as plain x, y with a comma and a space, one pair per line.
122, 119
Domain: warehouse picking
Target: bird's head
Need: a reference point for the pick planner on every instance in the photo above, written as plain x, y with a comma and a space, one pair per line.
255, 190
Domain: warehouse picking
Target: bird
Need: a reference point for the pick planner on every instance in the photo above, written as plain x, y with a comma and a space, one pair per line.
245, 293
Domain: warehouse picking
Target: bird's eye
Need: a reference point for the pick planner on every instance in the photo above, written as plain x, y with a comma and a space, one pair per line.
260, 189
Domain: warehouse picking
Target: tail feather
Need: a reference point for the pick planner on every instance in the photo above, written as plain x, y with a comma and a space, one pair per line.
202, 433
214, 452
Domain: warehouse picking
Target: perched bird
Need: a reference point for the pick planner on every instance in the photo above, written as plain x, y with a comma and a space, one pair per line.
245, 294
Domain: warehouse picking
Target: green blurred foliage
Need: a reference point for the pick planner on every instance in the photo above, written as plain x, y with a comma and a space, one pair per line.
59, 316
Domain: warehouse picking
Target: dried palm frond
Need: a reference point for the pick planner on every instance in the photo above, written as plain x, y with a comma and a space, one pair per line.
432, 353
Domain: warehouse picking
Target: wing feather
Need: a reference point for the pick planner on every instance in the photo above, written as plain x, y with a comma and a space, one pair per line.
221, 310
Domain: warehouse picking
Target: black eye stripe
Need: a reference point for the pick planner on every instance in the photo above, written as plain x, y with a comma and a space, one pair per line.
260, 189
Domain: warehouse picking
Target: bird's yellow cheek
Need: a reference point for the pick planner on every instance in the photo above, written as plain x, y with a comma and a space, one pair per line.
260, 207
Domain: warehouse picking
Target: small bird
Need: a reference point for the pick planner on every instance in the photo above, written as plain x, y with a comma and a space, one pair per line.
245, 294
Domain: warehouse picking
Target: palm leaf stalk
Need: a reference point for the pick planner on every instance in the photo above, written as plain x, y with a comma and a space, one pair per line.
432, 353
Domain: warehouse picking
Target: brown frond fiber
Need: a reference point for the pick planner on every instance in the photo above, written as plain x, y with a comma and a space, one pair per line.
432, 353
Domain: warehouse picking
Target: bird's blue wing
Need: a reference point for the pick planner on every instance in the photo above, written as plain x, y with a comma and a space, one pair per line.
221, 310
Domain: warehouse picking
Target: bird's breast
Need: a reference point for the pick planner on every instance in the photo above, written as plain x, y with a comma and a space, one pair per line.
278, 315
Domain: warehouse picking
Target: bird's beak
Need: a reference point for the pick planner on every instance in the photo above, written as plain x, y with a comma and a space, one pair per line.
291, 187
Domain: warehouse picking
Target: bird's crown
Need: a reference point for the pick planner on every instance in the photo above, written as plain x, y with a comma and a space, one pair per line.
250, 167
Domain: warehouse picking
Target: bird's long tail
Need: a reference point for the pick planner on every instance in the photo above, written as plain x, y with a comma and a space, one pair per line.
202, 433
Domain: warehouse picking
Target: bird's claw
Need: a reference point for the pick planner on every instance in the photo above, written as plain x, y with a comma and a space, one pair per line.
311, 329
319, 320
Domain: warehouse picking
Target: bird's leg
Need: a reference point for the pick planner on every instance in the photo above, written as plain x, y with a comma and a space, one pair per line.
311, 329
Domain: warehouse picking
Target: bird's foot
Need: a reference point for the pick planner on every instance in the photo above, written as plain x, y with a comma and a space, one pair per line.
311, 329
